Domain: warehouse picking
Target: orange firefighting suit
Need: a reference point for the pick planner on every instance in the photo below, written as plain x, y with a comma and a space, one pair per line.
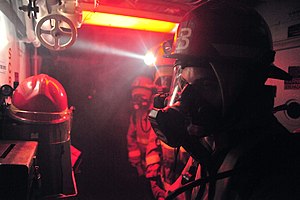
164, 166
137, 139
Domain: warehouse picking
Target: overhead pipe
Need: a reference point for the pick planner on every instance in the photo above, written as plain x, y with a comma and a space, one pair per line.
31, 37
71, 10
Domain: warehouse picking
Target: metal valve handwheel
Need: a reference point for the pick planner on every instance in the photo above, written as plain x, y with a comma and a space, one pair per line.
59, 34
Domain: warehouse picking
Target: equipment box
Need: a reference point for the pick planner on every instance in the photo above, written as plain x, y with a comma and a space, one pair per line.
17, 163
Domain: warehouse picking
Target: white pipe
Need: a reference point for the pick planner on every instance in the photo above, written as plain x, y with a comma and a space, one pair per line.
31, 37
35, 62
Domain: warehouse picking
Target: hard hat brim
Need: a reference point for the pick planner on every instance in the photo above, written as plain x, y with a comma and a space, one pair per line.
275, 72
278, 73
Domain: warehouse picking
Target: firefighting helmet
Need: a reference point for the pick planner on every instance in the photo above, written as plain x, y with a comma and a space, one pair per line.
141, 91
231, 39
162, 65
161, 52
40, 99
220, 30
156, 56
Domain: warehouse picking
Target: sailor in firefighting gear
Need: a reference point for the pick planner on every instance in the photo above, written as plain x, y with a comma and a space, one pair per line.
139, 130
164, 163
220, 109
139, 127
40, 109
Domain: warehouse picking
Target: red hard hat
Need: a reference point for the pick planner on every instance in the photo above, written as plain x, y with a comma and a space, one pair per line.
40, 99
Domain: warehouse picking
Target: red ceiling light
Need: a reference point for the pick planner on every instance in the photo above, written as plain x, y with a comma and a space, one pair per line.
130, 22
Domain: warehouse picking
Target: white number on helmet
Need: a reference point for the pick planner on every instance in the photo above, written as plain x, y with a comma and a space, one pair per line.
183, 38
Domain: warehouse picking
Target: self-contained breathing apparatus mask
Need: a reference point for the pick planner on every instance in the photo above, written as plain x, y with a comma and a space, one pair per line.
141, 92
196, 111
193, 108
140, 102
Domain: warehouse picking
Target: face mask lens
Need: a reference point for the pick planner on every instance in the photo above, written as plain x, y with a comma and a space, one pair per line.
177, 85
139, 101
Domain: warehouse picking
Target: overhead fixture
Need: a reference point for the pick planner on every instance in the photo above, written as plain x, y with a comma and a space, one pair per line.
129, 22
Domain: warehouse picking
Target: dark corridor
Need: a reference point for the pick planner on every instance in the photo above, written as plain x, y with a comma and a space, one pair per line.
97, 77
